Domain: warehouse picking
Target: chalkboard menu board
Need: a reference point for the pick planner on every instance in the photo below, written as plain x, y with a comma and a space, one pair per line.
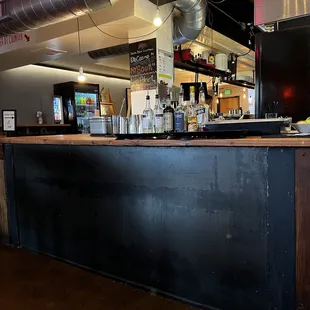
143, 67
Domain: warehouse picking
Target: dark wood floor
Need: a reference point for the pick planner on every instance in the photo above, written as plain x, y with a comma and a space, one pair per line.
30, 281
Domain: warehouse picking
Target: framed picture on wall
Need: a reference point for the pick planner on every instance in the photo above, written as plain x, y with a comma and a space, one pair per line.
107, 109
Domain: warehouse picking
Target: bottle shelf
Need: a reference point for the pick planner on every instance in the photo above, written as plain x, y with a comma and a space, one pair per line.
212, 72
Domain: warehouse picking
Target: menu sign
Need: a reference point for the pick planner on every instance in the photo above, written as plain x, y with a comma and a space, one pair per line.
143, 66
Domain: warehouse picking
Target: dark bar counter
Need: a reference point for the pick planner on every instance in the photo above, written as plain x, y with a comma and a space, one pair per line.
216, 223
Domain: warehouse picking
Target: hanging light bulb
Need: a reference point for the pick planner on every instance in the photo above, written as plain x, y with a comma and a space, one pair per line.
81, 76
157, 20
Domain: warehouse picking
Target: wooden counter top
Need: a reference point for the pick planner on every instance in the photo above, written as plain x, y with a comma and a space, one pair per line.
88, 140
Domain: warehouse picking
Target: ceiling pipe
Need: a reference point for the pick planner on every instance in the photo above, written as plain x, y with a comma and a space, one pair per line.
188, 23
24, 15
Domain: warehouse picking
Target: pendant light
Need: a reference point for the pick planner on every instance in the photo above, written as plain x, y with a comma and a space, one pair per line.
157, 20
81, 76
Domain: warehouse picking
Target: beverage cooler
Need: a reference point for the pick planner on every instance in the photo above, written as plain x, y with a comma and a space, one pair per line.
58, 110
79, 102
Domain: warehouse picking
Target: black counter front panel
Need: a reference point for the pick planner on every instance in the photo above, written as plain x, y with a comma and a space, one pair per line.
214, 226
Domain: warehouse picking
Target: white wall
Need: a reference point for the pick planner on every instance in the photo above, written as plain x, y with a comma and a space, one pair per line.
164, 36
30, 88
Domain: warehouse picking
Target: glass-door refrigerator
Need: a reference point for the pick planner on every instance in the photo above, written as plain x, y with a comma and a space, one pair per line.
79, 104
58, 110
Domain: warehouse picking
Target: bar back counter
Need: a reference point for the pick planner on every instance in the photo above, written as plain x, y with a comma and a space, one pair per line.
221, 224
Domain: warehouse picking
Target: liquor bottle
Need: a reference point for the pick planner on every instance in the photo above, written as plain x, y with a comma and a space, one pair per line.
191, 112
163, 103
168, 115
158, 116
202, 109
179, 114
211, 59
148, 117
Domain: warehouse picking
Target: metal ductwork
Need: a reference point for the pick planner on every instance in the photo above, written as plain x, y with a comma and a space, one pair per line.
191, 20
24, 15
109, 51
188, 24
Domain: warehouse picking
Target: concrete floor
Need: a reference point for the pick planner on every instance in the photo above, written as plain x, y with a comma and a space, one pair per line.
30, 281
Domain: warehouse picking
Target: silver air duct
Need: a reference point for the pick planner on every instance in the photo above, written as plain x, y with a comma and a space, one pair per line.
191, 20
109, 51
187, 27
24, 15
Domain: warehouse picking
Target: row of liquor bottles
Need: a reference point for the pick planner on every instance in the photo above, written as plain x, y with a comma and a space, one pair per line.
184, 117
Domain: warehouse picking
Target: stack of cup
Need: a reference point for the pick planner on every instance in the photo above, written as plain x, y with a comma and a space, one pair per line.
140, 123
115, 124
133, 124
124, 125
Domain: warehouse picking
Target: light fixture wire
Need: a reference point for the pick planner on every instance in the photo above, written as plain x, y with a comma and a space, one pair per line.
79, 37
81, 76
119, 38
223, 12
137, 37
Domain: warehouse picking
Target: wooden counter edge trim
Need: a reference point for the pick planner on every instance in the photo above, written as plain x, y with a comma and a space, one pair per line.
87, 140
